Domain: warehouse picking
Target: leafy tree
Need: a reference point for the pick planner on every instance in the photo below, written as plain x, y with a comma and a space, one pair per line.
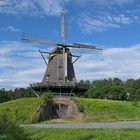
6, 95
107, 89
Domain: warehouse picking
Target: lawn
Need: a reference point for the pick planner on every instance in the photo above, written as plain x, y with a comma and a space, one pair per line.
83, 134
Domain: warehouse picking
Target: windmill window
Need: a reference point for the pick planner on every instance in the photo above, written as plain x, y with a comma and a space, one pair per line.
59, 66
59, 78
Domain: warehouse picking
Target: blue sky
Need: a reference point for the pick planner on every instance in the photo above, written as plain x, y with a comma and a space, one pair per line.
113, 25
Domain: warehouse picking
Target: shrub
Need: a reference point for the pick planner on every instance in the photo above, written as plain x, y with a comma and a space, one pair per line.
9, 130
46, 97
35, 118
80, 106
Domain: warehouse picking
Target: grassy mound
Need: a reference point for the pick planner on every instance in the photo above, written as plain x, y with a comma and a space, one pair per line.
96, 110
20, 109
107, 110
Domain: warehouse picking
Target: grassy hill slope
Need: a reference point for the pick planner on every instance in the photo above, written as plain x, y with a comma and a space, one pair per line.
96, 109
21, 109
109, 110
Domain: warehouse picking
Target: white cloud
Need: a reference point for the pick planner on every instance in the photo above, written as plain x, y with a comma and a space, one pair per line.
13, 29
87, 23
118, 62
104, 2
104, 22
51, 7
114, 2
10, 29
32, 7
21, 64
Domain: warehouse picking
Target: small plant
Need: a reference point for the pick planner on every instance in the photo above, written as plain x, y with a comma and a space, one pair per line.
34, 118
135, 100
4, 122
80, 106
46, 97
135, 103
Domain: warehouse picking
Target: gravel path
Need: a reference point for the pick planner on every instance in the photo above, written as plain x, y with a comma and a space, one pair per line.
133, 124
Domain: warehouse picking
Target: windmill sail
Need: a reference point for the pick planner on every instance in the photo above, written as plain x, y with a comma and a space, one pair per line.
77, 45
26, 37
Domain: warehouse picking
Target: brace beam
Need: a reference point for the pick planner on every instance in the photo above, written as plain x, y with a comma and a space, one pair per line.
41, 52
77, 57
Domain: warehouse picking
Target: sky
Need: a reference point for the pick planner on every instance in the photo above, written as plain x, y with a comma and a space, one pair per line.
113, 25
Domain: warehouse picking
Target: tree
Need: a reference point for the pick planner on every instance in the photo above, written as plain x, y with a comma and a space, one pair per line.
107, 89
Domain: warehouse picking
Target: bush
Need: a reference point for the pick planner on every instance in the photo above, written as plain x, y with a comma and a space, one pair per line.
9, 130
80, 106
35, 118
46, 97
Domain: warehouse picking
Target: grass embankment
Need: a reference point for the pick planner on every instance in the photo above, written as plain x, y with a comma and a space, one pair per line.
83, 134
107, 110
96, 110
20, 109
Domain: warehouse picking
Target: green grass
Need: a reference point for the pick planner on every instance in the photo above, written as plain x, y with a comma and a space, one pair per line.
22, 108
97, 110
108, 110
83, 134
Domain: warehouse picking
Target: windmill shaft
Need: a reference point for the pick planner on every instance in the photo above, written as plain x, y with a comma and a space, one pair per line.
66, 64
62, 28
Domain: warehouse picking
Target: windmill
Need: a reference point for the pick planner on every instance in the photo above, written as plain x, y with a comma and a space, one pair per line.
59, 75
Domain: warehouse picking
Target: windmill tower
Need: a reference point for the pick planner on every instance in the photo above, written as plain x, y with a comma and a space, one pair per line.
59, 76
